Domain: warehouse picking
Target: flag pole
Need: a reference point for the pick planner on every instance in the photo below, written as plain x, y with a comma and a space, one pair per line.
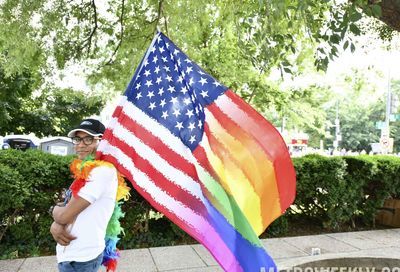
137, 72
156, 35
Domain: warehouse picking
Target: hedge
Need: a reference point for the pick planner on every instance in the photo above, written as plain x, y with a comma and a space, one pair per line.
331, 191
29, 184
342, 190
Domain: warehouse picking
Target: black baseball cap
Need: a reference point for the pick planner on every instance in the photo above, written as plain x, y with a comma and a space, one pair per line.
90, 126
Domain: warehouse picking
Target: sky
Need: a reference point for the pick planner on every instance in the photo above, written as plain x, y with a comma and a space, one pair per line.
370, 53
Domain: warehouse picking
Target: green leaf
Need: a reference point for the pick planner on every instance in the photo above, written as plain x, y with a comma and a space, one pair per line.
355, 29
343, 32
287, 70
334, 51
335, 38
376, 10
355, 16
352, 48
345, 45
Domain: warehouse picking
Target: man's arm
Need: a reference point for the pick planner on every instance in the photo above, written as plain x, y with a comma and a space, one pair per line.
60, 234
66, 215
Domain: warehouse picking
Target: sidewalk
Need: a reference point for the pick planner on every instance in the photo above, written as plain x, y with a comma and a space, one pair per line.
287, 252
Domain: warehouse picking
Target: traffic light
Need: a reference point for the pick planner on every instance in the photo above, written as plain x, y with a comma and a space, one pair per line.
394, 103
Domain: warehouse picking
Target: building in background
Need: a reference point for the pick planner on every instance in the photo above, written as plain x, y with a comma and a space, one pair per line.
297, 143
57, 145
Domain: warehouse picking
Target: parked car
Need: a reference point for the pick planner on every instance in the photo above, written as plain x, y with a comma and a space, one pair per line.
21, 142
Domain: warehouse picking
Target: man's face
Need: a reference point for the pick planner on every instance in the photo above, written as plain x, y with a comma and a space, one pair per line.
82, 149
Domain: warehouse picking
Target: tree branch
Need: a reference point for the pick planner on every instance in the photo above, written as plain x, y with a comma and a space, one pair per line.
10, 221
252, 94
95, 25
88, 41
121, 34
159, 12
165, 24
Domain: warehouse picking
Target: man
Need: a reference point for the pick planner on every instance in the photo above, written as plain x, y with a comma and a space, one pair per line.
80, 225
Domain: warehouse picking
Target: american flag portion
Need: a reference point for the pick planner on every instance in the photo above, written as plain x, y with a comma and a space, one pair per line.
201, 156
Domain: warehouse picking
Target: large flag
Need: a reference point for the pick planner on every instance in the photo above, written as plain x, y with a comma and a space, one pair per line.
201, 156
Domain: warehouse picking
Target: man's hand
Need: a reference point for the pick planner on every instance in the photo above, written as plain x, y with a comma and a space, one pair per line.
67, 215
60, 234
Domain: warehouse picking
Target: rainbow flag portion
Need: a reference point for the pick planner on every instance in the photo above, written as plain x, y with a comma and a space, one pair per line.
201, 156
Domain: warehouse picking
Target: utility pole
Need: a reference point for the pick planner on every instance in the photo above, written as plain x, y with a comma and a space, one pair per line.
388, 105
338, 137
385, 131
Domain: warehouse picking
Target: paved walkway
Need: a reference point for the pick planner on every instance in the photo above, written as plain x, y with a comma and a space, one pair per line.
287, 252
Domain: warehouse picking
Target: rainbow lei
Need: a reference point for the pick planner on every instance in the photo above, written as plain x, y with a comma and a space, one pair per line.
81, 170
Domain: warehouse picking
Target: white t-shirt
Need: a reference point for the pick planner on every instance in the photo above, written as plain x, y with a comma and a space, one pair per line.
91, 224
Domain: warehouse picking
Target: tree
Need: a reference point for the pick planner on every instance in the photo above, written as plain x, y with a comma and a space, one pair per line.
112, 37
358, 103
359, 106
13, 90
55, 112
49, 111
358, 127
238, 42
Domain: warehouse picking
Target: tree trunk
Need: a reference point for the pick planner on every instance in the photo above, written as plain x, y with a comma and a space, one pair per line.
390, 12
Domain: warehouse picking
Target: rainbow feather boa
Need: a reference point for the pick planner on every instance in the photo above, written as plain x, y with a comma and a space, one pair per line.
81, 170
